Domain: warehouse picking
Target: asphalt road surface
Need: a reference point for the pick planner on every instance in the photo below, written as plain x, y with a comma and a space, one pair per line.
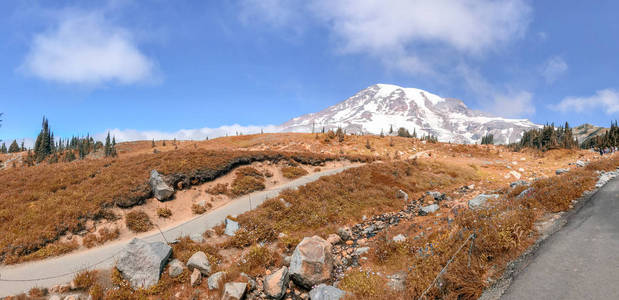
581, 261
20, 278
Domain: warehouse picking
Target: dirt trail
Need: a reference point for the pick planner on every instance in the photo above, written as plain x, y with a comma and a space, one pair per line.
20, 278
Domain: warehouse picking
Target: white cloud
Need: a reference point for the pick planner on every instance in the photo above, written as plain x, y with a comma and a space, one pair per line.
507, 102
185, 134
553, 68
403, 34
86, 49
606, 100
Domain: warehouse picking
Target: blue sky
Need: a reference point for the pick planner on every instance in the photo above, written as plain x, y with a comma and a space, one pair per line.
148, 69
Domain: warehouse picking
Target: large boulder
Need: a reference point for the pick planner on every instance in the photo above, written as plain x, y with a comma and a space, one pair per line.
141, 263
480, 200
311, 262
234, 290
326, 292
275, 284
161, 190
199, 261
231, 227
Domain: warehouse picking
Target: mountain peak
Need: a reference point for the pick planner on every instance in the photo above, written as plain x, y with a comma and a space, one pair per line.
381, 106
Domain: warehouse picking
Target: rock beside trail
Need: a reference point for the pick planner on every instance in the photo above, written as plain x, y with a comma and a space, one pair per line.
326, 292
561, 171
197, 238
605, 177
425, 210
480, 200
275, 284
311, 262
141, 263
345, 233
161, 190
196, 277
199, 261
234, 290
176, 268
215, 279
231, 227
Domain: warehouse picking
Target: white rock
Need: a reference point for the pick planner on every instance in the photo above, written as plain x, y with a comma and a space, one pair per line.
399, 238
199, 261
141, 263
231, 227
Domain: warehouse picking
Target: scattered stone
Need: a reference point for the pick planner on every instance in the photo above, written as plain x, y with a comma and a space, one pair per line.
581, 163
362, 241
345, 233
362, 250
199, 261
286, 203
425, 210
141, 263
311, 262
605, 177
518, 183
515, 174
400, 194
196, 277
251, 283
231, 227
326, 292
215, 280
234, 290
276, 283
176, 268
399, 238
210, 233
437, 196
521, 170
525, 193
561, 171
397, 281
73, 297
334, 239
481, 200
161, 190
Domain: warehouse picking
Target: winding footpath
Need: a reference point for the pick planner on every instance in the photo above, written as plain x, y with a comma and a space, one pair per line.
20, 278
580, 261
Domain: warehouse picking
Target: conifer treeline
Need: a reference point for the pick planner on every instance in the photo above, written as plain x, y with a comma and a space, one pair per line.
47, 148
609, 139
549, 137
487, 139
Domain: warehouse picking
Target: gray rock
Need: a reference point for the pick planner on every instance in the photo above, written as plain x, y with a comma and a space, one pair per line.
141, 263
275, 284
287, 260
561, 171
231, 227
518, 183
480, 200
581, 163
525, 193
215, 279
399, 238
196, 277
251, 283
438, 196
369, 229
234, 290
362, 250
400, 194
311, 262
161, 190
397, 281
345, 233
199, 261
326, 292
176, 268
197, 238
425, 210
334, 239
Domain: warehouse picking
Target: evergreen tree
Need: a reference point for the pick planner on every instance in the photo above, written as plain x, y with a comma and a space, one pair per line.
487, 139
43, 143
153, 144
108, 145
3, 148
22, 146
403, 132
14, 148
391, 129
414, 133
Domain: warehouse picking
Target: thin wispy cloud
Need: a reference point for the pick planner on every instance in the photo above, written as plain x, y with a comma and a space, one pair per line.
84, 48
554, 68
606, 100
124, 135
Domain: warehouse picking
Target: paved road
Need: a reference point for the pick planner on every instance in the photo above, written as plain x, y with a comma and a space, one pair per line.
63, 268
581, 261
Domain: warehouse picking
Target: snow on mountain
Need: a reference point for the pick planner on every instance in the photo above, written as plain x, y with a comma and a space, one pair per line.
381, 106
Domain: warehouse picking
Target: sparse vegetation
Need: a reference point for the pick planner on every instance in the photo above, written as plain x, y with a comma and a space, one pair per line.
164, 212
218, 189
247, 180
198, 209
258, 259
293, 172
85, 279
138, 221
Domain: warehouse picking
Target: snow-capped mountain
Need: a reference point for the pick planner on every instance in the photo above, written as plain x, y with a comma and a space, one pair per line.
381, 106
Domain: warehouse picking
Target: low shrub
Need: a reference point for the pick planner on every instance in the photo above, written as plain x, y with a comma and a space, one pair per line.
363, 284
243, 185
96, 292
198, 209
90, 240
164, 212
85, 279
185, 248
293, 172
218, 189
37, 292
258, 259
138, 221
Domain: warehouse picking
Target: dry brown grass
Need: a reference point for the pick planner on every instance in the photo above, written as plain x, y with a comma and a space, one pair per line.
85, 279
198, 209
293, 172
258, 259
102, 236
164, 212
218, 189
138, 221
59, 198
247, 180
